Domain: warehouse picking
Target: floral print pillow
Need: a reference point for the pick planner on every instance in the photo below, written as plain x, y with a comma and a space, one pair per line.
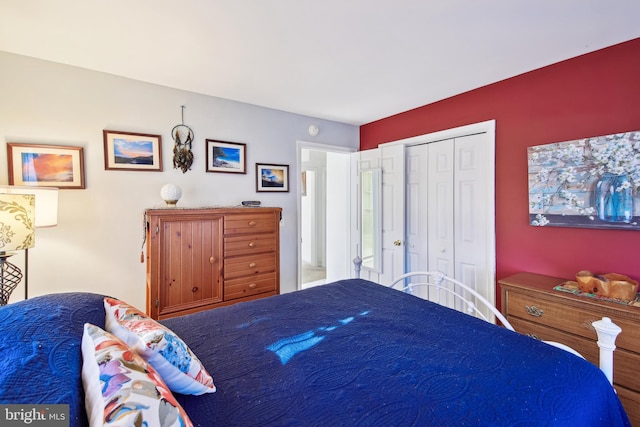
180, 369
121, 388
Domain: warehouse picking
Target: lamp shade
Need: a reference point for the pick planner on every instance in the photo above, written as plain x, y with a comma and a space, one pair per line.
46, 202
17, 221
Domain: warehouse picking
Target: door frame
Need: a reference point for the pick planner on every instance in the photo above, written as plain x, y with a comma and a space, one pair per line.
302, 145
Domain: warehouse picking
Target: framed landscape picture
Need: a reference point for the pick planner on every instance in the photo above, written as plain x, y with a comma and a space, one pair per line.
272, 178
226, 157
132, 151
46, 165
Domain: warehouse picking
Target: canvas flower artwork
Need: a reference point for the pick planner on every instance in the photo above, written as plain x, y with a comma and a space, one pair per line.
591, 182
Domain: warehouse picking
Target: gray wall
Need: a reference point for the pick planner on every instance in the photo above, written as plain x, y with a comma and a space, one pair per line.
97, 244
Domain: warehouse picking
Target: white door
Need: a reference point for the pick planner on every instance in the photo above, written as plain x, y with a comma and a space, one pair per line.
393, 205
390, 161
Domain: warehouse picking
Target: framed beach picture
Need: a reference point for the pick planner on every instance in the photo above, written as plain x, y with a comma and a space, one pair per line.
272, 178
46, 165
226, 157
129, 151
591, 182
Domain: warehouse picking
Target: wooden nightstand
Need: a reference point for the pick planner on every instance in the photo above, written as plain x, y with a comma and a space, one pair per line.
534, 308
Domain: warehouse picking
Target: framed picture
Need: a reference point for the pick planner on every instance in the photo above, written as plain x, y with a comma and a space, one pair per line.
226, 157
128, 151
46, 165
271, 177
591, 182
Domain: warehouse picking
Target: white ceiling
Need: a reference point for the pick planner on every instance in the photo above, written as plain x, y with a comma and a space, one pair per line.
352, 61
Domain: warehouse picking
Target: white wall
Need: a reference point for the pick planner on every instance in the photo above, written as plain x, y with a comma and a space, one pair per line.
97, 243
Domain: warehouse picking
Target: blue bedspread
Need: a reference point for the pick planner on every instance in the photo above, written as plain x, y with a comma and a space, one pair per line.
354, 353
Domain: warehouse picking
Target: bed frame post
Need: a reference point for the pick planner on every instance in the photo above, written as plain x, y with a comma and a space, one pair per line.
607, 332
357, 265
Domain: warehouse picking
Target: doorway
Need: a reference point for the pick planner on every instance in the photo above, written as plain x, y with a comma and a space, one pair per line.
324, 206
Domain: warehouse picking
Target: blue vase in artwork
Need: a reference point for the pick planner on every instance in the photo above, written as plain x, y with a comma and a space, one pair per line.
614, 198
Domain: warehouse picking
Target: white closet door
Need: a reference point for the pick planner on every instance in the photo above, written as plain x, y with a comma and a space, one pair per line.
471, 235
441, 209
416, 208
446, 214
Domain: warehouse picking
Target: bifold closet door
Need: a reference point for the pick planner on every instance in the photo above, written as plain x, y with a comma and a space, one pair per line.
444, 216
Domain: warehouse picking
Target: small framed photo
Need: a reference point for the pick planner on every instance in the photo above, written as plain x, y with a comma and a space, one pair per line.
226, 157
272, 178
46, 165
126, 151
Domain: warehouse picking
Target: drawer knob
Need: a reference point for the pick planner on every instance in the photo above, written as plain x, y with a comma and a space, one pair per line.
212, 260
534, 311
252, 286
252, 223
251, 244
253, 264
194, 289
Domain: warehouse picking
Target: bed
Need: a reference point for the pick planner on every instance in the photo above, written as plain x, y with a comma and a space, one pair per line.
349, 353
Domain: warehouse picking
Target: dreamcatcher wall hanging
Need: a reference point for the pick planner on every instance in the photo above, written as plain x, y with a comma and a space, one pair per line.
183, 137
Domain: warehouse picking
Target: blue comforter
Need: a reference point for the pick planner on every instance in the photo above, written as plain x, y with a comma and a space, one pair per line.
352, 353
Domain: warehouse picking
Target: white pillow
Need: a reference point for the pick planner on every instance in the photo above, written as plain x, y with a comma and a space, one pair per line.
121, 388
180, 369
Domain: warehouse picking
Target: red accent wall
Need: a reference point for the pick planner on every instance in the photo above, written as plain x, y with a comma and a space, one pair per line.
590, 95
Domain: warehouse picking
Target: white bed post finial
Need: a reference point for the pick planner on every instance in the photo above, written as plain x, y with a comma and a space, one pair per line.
357, 264
607, 332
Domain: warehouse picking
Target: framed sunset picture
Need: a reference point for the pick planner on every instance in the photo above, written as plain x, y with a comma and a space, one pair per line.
132, 151
272, 178
46, 165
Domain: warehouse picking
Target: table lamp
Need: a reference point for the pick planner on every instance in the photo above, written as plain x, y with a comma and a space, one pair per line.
17, 222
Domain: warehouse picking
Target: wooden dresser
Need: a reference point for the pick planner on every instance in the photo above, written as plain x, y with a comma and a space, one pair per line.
533, 307
203, 258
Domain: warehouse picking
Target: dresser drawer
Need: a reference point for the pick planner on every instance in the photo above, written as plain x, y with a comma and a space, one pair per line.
250, 224
246, 245
249, 265
625, 363
575, 319
631, 401
247, 286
